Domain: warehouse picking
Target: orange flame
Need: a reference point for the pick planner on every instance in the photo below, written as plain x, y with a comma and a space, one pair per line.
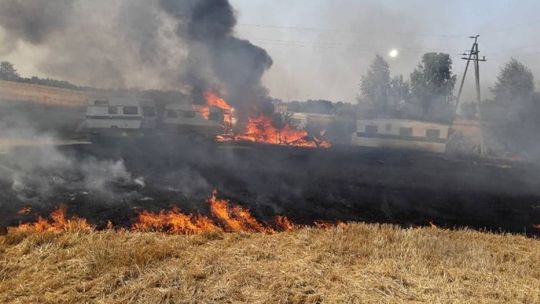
235, 219
203, 110
213, 100
224, 218
24, 211
327, 225
57, 223
173, 222
261, 130
284, 224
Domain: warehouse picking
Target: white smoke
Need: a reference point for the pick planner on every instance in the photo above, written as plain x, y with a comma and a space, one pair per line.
34, 167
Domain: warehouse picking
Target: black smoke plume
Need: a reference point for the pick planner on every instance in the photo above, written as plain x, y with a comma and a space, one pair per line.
236, 64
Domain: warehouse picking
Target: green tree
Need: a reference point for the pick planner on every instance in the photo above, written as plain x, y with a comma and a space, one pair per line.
399, 95
513, 114
515, 83
8, 71
375, 86
432, 86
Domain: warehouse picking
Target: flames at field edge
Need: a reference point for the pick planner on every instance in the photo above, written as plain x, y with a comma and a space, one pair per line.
223, 217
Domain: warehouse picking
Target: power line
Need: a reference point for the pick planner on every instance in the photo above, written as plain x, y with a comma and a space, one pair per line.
515, 27
337, 45
516, 49
521, 54
356, 32
496, 55
344, 31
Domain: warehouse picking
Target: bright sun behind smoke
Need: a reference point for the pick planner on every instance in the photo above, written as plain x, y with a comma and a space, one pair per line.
393, 53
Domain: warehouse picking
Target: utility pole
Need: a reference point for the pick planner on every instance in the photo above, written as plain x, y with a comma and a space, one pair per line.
474, 56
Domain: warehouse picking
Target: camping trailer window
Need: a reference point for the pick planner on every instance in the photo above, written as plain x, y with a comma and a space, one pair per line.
433, 133
372, 129
172, 114
216, 116
189, 114
131, 110
101, 103
405, 131
113, 110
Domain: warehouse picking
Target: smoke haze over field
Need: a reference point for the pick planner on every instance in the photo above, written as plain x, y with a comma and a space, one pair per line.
164, 44
35, 175
320, 48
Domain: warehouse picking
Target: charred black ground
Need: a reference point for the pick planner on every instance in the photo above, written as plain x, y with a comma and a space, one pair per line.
338, 184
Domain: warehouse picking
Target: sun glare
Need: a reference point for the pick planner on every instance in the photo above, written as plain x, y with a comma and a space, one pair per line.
393, 53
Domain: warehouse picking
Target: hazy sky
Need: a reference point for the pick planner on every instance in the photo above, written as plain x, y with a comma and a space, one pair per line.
322, 47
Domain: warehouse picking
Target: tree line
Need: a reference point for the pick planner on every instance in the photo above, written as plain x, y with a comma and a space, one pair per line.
512, 116
426, 95
9, 73
511, 119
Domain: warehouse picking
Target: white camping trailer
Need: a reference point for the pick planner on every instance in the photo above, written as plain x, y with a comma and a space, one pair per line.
120, 116
184, 119
302, 120
401, 134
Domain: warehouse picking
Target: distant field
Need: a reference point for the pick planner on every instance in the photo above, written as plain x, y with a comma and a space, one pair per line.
354, 263
14, 91
45, 109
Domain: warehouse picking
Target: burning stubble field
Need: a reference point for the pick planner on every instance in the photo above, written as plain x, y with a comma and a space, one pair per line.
112, 183
157, 222
349, 263
181, 222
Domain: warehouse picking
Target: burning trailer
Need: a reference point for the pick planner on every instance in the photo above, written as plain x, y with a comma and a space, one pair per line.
136, 117
185, 119
213, 118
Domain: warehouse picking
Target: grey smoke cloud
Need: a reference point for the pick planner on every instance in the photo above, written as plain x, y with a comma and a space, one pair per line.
165, 44
34, 21
36, 172
109, 44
